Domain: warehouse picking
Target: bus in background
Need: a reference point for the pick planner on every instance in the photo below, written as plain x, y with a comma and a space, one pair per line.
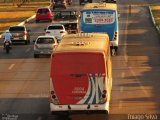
81, 74
101, 17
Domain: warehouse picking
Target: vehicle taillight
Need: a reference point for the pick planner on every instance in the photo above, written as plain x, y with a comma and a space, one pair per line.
48, 32
115, 36
55, 46
35, 46
24, 33
104, 94
103, 99
54, 98
61, 31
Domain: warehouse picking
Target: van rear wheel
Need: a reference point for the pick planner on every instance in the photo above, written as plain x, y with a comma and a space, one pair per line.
36, 56
113, 52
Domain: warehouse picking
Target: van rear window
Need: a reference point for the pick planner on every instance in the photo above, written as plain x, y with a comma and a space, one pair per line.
78, 63
43, 11
55, 28
45, 41
17, 28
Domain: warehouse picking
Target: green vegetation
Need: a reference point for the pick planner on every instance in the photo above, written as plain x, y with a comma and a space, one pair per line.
156, 13
11, 14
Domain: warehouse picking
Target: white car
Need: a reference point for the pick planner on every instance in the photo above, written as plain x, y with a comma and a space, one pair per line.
57, 30
44, 45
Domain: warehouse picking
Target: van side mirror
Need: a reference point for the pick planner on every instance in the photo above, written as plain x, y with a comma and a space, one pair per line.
28, 30
45, 29
34, 41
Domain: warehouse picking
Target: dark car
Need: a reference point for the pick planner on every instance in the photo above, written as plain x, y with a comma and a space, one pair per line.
84, 1
59, 4
69, 18
20, 33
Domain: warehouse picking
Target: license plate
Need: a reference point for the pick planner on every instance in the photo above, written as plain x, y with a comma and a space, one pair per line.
7, 43
16, 38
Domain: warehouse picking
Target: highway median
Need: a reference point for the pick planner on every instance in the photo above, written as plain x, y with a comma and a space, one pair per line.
12, 15
155, 14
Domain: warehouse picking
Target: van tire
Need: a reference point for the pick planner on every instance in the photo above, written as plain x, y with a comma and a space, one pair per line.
36, 56
26, 42
37, 21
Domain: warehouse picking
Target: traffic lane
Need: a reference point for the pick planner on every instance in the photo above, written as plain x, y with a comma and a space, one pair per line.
134, 90
22, 83
138, 1
150, 48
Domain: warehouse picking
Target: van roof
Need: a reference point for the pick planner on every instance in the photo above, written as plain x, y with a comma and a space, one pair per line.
109, 6
84, 42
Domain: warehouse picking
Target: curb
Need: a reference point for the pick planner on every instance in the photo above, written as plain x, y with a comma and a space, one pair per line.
153, 20
22, 23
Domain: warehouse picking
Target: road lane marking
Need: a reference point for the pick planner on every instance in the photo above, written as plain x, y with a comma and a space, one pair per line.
121, 89
28, 50
120, 104
123, 75
11, 66
136, 78
125, 40
126, 58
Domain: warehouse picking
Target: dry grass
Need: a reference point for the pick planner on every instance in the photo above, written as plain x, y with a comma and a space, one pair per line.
156, 13
12, 15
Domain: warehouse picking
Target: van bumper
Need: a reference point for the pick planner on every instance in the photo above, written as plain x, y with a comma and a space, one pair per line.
114, 43
95, 107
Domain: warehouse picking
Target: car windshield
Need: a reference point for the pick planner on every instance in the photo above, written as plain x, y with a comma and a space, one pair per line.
17, 28
65, 15
55, 28
43, 11
45, 41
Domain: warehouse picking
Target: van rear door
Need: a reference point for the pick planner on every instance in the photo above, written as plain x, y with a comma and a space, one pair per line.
78, 77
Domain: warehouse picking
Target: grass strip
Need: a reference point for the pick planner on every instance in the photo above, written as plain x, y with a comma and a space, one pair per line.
12, 15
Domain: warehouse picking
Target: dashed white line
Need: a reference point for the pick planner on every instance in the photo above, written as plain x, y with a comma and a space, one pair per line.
141, 86
120, 104
11, 66
123, 75
126, 58
125, 40
121, 89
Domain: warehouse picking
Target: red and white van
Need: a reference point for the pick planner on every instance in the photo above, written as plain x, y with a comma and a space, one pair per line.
81, 74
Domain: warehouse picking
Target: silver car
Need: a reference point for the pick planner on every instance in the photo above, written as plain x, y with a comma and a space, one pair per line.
44, 45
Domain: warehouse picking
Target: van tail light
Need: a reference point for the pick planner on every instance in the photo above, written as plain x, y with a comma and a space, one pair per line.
55, 46
115, 36
61, 32
103, 98
35, 46
24, 33
48, 32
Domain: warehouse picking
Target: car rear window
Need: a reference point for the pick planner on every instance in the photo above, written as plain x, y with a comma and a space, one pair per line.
55, 28
17, 28
65, 15
42, 11
45, 41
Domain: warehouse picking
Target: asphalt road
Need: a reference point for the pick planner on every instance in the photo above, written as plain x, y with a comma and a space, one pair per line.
24, 80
